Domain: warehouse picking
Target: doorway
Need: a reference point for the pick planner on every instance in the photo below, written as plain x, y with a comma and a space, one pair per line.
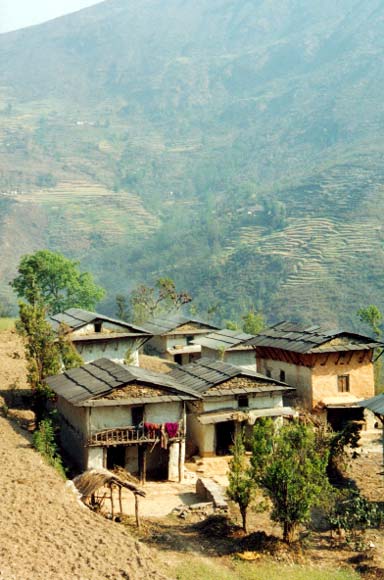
116, 456
225, 437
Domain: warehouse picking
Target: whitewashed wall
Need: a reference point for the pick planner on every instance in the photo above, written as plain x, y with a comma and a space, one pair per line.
115, 350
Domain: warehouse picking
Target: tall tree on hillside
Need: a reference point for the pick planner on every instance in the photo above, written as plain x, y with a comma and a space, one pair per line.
372, 317
146, 301
57, 281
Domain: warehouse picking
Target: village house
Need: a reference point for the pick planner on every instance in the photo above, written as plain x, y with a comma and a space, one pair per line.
112, 414
174, 337
229, 398
228, 346
330, 369
95, 335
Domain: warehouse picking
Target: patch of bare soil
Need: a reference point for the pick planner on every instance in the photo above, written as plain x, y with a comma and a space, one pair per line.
45, 533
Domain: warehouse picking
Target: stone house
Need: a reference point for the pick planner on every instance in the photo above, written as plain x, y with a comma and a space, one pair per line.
174, 336
111, 414
228, 346
229, 398
95, 335
330, 369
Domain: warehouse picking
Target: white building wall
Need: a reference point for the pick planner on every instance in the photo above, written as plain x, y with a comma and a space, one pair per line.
115, 350
106, 327
296, 376
95, 458
73, 431
121, 415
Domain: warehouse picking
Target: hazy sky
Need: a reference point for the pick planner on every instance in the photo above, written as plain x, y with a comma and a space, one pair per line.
19, 13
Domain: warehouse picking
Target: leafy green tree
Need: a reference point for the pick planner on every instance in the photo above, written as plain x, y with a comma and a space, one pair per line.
241, 482
291, 470
146, 302
372, 316
41, 349
253, 322
57, 281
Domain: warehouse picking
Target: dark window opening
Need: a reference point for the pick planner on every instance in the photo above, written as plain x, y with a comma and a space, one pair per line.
98, 326
137, 415
178, 358
343, 383
189, 339
268, 373
282, 376
243, 401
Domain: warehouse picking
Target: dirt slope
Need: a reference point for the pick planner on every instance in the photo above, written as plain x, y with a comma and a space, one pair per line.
44, 532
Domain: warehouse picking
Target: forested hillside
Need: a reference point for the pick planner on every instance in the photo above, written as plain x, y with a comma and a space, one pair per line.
234, 145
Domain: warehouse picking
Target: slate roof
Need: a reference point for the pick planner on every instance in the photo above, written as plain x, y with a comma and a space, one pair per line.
302, 338
75, 318
102, 376
375, 404
165, 324
223, 339
202, 375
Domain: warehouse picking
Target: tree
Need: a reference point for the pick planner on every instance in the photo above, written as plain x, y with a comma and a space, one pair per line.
373, 317
56, 281
41, 349
146, 302
291, 470
241, 483
253, 322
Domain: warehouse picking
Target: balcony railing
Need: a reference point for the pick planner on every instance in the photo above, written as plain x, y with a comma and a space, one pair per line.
128, 436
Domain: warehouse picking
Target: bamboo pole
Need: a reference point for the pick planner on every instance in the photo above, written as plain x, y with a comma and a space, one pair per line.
120, 501
112, 506
137, 510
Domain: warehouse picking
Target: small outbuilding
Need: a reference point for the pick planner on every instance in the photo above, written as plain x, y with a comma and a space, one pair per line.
228, 346
174, 337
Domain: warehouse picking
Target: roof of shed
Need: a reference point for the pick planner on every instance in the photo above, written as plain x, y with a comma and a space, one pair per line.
303, 338
102, 376
202, 375
223, 339
375, 404
75, 318
164, 324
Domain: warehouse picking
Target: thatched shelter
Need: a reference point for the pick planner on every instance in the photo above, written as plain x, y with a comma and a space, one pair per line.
92, 480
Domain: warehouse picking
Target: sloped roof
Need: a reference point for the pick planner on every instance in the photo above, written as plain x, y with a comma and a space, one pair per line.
223, 339
102, 376
202, 375
302, 338
375, 404
75, 318
166, 323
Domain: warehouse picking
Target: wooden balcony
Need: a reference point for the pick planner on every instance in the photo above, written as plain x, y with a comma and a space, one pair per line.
128, 436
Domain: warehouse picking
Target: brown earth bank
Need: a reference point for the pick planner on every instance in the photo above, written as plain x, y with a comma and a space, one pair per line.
45, 533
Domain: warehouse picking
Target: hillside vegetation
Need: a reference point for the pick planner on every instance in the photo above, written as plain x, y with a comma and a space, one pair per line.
232, 145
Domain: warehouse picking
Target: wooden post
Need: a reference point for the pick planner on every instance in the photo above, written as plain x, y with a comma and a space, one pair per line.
137, 510
142, 463
120, 501
180, 461
112, 507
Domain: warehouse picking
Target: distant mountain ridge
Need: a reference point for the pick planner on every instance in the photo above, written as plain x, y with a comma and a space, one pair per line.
235, 146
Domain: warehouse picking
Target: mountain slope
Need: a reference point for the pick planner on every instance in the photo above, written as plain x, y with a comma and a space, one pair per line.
235, 146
